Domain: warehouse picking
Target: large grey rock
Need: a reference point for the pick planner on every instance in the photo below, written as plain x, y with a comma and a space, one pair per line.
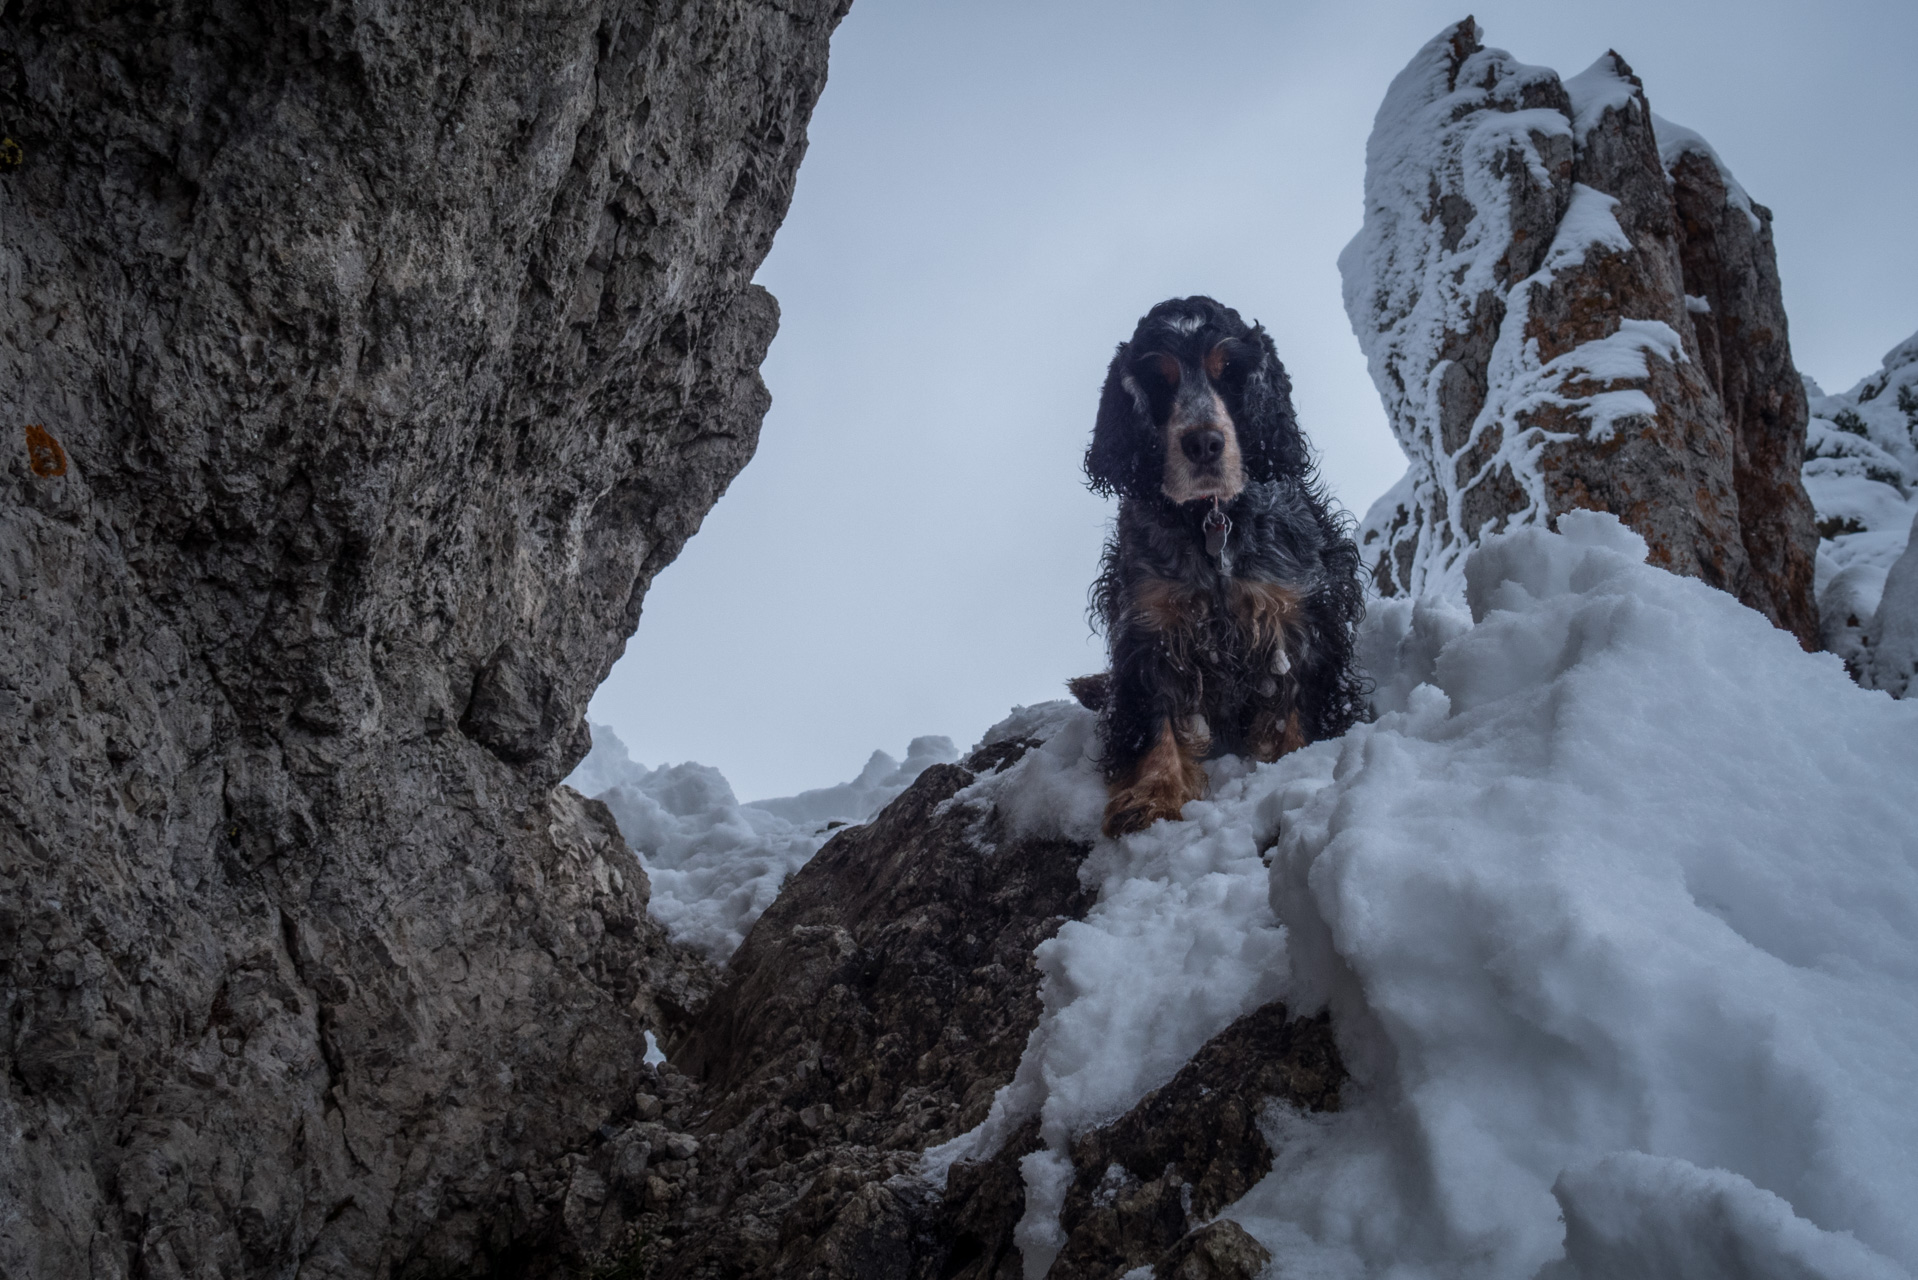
1567, 308
362, 363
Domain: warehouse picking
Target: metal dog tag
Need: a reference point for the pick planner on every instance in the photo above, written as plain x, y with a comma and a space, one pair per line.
1216, 526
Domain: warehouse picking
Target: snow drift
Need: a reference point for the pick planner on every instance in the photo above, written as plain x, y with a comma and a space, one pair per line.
1616, 911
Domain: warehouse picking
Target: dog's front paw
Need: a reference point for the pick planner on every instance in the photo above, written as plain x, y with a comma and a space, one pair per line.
1151, 798
1157, 787
1128, 811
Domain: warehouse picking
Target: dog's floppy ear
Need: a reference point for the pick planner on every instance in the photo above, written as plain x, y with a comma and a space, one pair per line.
1123, 457
1269, 436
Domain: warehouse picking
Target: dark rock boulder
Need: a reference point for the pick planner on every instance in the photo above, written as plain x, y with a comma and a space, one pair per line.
873, 1011
363, 364
1569, 306
1221, 1250
906, 945
1193, 1146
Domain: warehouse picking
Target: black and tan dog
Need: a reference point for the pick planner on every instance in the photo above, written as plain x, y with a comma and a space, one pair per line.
1230, 591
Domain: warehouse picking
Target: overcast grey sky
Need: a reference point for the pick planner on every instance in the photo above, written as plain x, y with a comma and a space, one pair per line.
996, 191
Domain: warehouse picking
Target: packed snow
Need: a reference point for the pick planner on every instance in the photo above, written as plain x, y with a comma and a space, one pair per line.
716, 864
1615, 908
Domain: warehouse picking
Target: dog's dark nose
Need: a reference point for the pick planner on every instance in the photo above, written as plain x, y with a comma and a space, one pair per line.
1203, 447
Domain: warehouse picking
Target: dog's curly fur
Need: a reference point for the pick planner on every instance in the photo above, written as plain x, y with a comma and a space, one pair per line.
1251, 652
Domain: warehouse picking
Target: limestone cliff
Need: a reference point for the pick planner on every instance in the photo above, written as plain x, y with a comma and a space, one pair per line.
362, 365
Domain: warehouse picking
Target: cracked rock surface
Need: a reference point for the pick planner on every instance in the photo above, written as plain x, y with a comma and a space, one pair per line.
361, 365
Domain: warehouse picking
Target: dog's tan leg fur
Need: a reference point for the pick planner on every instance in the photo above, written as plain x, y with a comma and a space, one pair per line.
1294, 736
1264, 610
1165, 780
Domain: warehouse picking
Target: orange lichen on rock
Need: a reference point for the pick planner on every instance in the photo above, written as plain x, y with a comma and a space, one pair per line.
45, 457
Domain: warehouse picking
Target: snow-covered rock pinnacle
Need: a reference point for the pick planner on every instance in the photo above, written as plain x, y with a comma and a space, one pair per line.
1567, 304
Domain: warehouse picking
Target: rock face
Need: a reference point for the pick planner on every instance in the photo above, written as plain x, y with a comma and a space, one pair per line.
1565, 305
875, 1010
363, 364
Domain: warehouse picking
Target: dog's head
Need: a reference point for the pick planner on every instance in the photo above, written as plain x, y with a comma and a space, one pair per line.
1196, 405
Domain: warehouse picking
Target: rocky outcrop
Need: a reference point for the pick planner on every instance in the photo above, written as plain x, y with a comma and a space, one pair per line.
363, 364
1568, 305
875, 1011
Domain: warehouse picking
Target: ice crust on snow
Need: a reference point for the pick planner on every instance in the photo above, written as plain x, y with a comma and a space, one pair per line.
715, 864
1616, 910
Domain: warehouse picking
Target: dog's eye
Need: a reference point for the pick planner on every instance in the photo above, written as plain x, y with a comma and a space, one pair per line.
1228, 362
1157, 371
1157, 376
